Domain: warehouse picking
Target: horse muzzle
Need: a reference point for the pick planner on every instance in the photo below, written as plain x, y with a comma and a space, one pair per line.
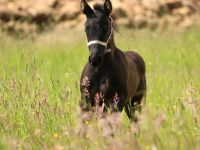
95, 60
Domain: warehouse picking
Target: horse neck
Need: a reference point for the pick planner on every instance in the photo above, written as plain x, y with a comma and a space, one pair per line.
108, 58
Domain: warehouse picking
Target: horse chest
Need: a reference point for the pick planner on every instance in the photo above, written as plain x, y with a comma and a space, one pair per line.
104, 85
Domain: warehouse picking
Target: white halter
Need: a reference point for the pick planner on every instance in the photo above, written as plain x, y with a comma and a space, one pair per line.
105, 44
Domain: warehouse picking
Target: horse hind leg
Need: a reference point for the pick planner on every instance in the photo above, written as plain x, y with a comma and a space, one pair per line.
127, 110
134, 107
138, 100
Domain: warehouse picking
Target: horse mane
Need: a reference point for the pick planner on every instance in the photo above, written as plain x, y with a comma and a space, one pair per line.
99, 7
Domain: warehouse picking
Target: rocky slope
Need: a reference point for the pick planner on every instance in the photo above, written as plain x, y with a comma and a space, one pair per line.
27, 16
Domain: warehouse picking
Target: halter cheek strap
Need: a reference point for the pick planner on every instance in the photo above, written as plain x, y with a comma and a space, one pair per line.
105, 44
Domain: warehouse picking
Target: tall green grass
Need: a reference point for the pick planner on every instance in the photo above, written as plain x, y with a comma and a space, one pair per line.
39, 93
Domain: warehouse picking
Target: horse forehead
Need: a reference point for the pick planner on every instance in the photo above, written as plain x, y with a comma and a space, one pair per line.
97, 19
93, 21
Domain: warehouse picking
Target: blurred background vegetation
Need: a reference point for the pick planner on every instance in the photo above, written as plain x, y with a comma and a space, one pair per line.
26, 16
43, 50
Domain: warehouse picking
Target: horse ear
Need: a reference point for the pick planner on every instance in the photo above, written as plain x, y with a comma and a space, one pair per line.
108, 7
85, 8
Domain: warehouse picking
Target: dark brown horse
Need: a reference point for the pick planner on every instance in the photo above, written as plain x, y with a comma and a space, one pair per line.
112, 78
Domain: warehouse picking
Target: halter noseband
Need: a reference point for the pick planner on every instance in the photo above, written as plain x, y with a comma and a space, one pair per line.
105, 44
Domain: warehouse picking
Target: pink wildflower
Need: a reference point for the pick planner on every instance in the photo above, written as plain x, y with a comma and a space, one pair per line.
116, 97
85, 82
86, 92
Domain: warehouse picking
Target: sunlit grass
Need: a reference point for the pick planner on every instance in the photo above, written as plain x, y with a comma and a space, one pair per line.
39, 93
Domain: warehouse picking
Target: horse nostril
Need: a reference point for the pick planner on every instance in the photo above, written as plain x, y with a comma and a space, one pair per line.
96, 61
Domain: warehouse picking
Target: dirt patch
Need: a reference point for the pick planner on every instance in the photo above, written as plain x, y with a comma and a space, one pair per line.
36, 15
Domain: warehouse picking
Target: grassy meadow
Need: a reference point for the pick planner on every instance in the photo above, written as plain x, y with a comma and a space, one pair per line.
39, 93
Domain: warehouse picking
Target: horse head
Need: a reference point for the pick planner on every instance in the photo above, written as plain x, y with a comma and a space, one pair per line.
98, 28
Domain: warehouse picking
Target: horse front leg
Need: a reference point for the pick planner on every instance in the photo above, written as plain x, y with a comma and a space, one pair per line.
117, 102
84, 104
